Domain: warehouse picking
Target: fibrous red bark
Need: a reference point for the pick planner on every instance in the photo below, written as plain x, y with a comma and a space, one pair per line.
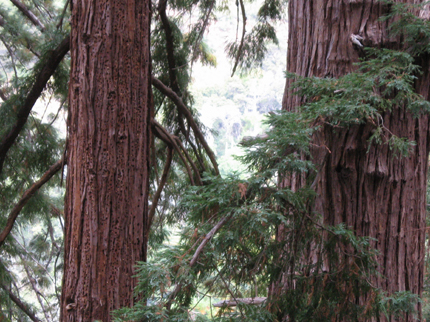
108, 156
375, 193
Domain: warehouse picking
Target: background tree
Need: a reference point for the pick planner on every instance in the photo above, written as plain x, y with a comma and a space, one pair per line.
361, 183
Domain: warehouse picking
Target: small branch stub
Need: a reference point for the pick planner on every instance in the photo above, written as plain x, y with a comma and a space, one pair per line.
356, 40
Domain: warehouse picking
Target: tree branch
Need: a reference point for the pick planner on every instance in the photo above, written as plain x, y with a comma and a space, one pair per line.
42, 78
19, 303
239, 51
36, 290
169, 139
193, 165
185, 111
26, 12
162, 133
169, 45
60, 23
25, 41
202, 30
207, 238
160, 188
25, 197
196, 255
230, 291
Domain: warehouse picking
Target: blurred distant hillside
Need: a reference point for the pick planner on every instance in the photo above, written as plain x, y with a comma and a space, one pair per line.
235, 106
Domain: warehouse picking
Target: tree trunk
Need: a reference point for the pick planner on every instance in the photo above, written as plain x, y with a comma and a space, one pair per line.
107, 156
374, 193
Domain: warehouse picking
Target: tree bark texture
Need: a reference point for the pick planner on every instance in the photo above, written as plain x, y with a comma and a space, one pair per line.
375, 193
108, 156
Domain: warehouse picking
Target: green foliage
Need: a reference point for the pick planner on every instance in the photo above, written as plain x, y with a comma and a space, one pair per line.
399, 303
382, 82
253, 50
329, 266
408, 24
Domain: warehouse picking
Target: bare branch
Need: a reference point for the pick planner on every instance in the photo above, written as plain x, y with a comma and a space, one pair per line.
42, 78
207, 238
239, 51
25, 197
197, 153
26, 12
19, 303
186, 112
196, 255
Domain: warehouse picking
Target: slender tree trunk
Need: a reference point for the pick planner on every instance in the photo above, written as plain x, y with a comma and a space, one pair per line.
107, 156
374, 193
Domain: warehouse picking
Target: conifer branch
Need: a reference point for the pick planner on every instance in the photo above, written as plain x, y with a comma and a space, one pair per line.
230, 291
207, 238
39, 295
186, 112
169, 45
170, 51
169, 139
22, 39
35, 261
20, 304
26, 12
197, 153
161, 185
23, 111
26, 197
196, 255
193, 165
60, 23
202, 30
239, 51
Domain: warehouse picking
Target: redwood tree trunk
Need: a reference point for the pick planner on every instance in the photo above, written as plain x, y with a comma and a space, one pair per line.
108, 156
374, 193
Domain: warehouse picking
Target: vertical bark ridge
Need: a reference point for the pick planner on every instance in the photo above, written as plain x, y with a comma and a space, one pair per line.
108, 156
373, 191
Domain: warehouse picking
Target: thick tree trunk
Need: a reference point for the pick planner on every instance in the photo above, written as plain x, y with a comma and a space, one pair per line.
108, 156
374, 193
